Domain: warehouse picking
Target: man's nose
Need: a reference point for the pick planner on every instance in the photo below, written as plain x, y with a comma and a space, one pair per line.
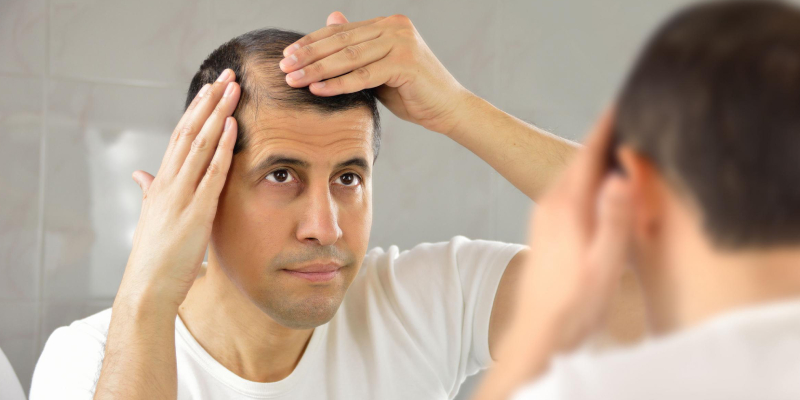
320, 222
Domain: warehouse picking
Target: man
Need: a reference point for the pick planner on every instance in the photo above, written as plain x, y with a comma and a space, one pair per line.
708, 131
291, 305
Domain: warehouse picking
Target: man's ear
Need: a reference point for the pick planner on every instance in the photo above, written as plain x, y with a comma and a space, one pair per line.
336, 18
646, 187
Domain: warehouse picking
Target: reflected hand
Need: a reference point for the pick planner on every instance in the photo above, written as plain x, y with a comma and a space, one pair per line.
387, 53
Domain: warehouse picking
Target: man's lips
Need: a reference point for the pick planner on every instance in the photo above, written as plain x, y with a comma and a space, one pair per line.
315, 272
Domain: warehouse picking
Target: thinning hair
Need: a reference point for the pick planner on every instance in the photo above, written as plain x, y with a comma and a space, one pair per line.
254, 58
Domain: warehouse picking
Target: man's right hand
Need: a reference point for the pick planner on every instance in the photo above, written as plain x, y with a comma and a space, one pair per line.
179, 204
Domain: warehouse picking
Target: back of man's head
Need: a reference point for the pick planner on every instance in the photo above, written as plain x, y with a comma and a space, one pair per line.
254, 58
714, 103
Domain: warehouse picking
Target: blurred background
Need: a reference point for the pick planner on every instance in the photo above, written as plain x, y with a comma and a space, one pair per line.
92, 89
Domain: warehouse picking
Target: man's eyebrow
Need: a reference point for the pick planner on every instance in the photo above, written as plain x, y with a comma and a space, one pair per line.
360, 162
277, 159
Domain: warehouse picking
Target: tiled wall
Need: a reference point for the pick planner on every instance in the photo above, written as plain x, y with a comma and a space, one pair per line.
91, 89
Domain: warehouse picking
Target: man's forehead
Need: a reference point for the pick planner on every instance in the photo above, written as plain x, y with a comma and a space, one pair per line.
309, 135
272, 124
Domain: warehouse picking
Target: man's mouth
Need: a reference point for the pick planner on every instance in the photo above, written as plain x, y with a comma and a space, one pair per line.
316, 272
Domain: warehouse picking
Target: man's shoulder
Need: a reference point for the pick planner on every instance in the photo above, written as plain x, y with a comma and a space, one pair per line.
95, 325
716, 359
437, 251
87, 332
71, 359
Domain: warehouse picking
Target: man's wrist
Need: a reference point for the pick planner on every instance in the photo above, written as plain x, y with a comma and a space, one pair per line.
141, 299
469, 108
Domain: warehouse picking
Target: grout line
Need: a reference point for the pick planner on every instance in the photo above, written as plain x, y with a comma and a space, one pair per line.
42, 175
139, 83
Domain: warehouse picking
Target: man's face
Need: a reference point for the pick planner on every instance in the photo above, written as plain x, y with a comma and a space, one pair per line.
294, 218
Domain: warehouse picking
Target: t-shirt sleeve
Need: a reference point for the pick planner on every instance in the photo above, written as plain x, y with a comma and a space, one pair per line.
444, 293
69, 365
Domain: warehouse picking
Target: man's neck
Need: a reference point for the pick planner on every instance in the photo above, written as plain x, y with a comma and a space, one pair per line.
238, 334
713, 282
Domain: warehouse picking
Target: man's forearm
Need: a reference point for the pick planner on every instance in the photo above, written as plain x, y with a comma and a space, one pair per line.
139, 360
526, 156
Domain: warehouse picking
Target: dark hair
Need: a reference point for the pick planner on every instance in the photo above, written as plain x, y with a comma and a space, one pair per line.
714, 102
254, 57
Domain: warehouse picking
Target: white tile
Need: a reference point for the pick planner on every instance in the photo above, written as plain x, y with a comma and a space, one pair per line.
23, 25
20, 138
18, 337
97, 136
148, 42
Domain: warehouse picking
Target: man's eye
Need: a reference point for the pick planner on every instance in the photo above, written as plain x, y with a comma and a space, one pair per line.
280, 176
348, 179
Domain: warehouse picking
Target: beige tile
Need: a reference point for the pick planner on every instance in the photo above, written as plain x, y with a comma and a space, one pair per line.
233, 18
148, 42
18, 337
461, 33
20, 139
427, 188
23, 27
97, 135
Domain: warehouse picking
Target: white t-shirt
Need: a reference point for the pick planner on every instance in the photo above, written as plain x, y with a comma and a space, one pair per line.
747, 354
413, 325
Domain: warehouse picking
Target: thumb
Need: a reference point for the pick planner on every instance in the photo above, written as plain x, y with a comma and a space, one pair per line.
614, 230
143, 179
336, 18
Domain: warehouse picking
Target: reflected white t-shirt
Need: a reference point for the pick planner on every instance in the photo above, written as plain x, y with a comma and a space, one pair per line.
747, 354
413, 325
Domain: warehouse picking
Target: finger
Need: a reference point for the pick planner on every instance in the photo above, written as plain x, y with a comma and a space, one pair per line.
143, 179
175, 133
205, 144
325, 32
214, 179
367, 77
610, 246
336, 18
191, 127
350, 59
305, 63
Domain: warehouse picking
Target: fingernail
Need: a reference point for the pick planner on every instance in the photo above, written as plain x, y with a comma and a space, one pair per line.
224, 75
318, 85
228, 124
291, 49
289, 61
228, 90
296, 75
203, 90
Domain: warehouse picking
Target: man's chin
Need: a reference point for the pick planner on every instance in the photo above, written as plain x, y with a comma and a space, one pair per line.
305, 313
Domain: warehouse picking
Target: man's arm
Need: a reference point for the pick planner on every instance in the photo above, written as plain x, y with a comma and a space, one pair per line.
528, 157
178, 210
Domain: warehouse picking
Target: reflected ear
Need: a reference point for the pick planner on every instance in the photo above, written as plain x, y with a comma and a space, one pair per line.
646, 190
